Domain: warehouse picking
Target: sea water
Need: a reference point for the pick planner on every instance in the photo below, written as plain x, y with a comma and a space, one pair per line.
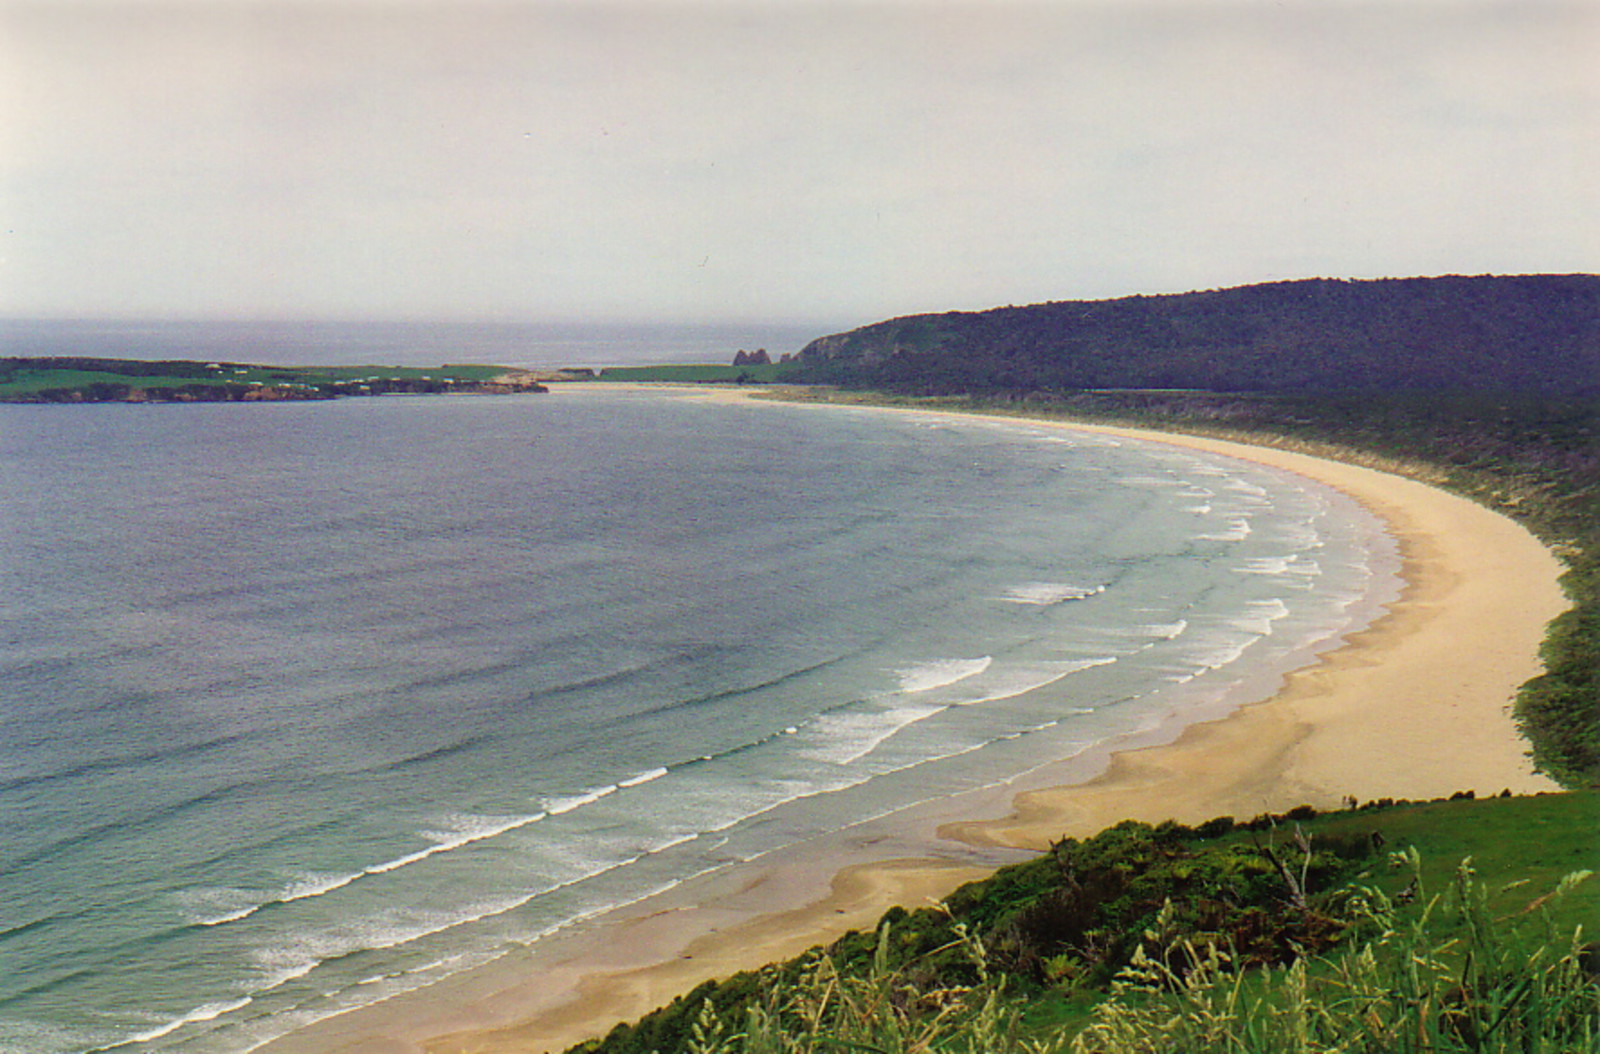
306, 705
536, 345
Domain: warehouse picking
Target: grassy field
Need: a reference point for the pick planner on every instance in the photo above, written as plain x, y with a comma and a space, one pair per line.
28, 380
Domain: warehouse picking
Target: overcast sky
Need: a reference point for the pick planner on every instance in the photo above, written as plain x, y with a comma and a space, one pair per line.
750, 159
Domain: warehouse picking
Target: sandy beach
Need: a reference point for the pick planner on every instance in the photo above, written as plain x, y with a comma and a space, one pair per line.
1417, 705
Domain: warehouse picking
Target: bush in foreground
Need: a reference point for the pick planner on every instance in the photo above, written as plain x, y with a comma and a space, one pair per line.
1433, 974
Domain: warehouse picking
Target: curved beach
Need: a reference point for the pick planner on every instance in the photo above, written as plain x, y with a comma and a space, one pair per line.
1417, 705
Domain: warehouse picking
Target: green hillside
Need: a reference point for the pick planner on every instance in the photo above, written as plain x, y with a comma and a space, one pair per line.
1445, 927
1523, 333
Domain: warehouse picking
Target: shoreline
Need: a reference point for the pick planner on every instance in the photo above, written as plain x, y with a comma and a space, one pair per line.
1477, 593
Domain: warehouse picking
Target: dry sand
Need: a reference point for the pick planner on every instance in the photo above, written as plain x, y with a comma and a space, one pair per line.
1414, 706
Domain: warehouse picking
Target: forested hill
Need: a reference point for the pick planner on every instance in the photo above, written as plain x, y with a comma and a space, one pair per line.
1530, 333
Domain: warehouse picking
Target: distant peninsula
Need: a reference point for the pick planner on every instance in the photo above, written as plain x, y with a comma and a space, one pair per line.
86, 380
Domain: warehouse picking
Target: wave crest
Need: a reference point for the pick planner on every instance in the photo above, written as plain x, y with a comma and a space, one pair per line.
1046, 594
941, 673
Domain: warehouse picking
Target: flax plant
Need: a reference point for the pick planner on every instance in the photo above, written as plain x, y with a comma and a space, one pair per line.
1423, 974
1441, 977
880, 1013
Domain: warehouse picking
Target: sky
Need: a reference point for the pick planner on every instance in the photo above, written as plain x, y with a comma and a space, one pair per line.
837, 160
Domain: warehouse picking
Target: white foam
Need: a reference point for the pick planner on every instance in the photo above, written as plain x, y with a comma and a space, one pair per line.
1260, 615
1225, 656
469, 829
1029, 679
277, 978
1044, 594
1151, 481
232, 916
404, 861
671, 843
313, 885
268, 1029
1265, 565
303, 889
429, 925
205, 907
1217, 656
23, 1036
1302, 537
642, 778
788, 790
205, 1012
925, 677
475, 829
1292, 564
849, 737
560, 806
310, 950
316, 886
1238, 530
1167, 630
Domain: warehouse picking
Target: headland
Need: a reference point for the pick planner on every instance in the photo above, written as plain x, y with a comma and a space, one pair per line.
94, 380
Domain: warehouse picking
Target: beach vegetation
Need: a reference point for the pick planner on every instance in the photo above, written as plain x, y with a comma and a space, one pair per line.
1376, 928
1434, 972
1439, 975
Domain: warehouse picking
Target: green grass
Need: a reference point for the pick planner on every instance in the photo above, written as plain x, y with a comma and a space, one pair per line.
1434, 975
27, 381
1439, 974
23, 381
1535, 839
1129, 941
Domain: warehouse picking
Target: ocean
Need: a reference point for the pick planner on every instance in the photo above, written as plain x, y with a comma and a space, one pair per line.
305, 705
533, 345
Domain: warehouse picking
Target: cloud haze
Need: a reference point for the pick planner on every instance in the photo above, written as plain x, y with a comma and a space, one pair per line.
840, 161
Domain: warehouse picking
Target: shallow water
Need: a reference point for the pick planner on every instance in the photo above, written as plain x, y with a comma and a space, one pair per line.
303, 705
